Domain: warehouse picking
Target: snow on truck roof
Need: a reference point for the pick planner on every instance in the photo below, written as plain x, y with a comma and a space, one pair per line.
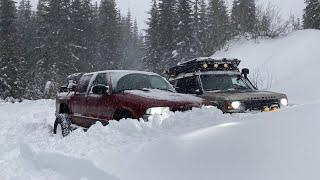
123, 72
116, 75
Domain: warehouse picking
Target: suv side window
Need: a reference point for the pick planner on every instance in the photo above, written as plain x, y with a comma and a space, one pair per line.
83, 83
187, 85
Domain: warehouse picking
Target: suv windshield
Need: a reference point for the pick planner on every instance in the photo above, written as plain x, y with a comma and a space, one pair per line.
223, 82
142, 81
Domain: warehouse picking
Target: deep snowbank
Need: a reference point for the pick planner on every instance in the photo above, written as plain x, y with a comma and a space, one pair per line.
30, 151
275, 146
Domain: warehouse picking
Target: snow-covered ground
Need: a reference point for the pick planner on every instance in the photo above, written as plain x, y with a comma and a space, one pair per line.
201, 144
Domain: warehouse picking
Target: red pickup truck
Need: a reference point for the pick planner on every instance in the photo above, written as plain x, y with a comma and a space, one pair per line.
114, 95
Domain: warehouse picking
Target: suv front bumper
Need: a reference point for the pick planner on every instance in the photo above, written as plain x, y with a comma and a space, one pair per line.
253, 105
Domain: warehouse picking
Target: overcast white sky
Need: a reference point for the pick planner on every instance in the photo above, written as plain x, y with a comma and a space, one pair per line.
139, 8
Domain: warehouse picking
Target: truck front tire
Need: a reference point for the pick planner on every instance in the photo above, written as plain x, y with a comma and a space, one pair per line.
122, 114
62, 122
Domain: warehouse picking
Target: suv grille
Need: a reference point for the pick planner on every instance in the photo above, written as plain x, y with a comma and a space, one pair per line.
260, 104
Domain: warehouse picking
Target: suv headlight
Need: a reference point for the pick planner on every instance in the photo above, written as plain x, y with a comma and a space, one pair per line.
284, 102
236, 104
157, 110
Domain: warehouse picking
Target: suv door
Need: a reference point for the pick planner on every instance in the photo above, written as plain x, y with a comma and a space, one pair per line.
188, 85
99, 106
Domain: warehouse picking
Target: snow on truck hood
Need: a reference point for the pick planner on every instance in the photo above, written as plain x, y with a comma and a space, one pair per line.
165, 95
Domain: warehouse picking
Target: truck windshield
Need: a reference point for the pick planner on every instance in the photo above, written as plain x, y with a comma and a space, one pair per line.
223, 82
142, 81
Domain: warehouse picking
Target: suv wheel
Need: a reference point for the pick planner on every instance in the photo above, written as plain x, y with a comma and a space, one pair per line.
62, 125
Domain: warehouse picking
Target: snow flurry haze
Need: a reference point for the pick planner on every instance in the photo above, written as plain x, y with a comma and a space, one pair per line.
201, 144
139, 8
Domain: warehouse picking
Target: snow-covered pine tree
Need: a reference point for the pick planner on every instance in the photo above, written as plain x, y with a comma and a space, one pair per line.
39, 62
243, 16
199, 27
311, 16
57, 60
109, 35
26, 29
167, 33
83, 41
184, 32
135, 31
218, 25
10, 63
126, 43
135, 49
151, 60
139, 47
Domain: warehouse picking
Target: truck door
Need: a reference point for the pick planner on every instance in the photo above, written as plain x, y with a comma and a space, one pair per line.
78, 101
99, 107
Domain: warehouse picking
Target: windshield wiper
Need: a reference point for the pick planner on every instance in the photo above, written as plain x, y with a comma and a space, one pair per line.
144, 89
239, 87
163, 89
214, 90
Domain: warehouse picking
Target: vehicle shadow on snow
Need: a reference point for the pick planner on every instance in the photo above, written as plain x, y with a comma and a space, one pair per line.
70, 167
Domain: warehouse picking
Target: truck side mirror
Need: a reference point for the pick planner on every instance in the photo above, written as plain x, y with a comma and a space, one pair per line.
245, 72
100, 89
71, 86
63, 89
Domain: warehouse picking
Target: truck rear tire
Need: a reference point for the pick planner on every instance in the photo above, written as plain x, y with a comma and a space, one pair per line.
62, 125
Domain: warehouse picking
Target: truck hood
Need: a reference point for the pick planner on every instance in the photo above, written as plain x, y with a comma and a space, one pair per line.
242, 95
166, 96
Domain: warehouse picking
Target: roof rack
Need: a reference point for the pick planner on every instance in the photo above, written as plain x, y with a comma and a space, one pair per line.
205, 64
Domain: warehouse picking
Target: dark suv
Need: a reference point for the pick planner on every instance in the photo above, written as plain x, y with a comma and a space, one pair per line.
220, 81
107, 95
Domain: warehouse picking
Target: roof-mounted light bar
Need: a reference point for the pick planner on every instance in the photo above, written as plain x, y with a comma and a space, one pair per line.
205, 64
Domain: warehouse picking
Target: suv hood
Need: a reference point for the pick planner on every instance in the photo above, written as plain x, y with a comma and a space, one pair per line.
242, 95
155, 94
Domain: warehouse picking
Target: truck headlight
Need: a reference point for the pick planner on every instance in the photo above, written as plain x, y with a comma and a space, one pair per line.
236, 104
284, 102
157, 110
